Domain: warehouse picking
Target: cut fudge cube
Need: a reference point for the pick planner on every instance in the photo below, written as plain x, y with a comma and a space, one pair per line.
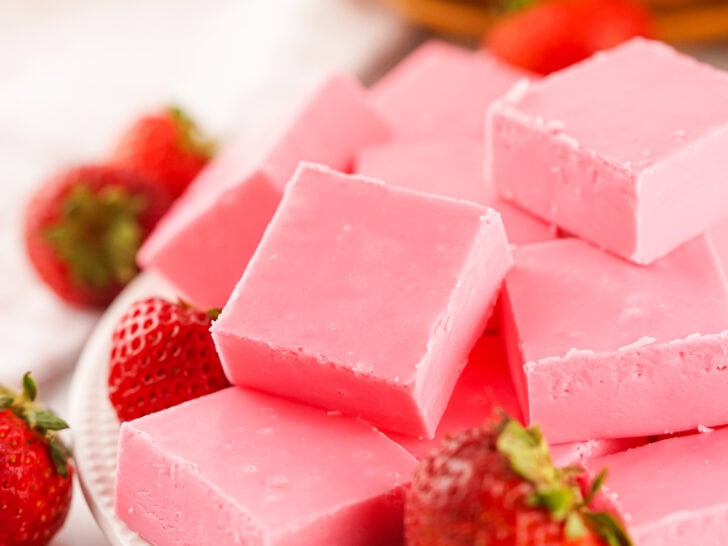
364, 298
442, 91
672, 492
624, 149
601, 348
240, 467
486, 387
453, 168
203, 245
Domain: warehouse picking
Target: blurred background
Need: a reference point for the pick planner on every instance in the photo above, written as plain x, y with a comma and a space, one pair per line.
76, 73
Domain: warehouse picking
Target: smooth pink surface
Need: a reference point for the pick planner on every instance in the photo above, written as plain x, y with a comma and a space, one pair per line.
442, 91
673, 492
364, 298
244, 468
203, 245
601, 348
621, 145
453, 168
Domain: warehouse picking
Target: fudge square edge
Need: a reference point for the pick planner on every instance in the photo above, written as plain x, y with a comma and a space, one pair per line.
671, 492
601, 348
616, 148
242, 467
205, 241
364, 298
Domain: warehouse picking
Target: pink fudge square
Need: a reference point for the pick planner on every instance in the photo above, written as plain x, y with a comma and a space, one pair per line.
243, 468
364, 298
442, 91
453, 168
601, 348
203, 245
485, 387
672, 492
625, 149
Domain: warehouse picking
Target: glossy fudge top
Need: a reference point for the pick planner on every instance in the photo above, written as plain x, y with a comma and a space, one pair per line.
566, 295
355, 270
442, 91
669, 479
633, 105
280, 461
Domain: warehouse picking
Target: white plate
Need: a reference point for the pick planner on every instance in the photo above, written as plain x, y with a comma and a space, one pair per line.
94, 425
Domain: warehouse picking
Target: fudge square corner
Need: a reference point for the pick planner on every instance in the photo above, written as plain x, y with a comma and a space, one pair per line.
364, 298
602, 348
625, 149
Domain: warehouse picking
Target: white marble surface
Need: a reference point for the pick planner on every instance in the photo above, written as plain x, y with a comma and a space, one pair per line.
74, 73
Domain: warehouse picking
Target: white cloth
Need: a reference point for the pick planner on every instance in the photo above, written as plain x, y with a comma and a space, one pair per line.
76, 72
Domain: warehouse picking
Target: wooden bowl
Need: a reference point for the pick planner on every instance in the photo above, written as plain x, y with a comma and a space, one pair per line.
676, 20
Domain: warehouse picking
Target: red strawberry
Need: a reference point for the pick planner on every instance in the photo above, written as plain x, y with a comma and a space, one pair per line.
551, 35
35, 477
162, 354
83, 228
497, 486
167, 147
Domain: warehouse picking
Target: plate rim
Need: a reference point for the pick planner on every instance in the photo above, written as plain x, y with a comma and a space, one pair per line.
90, 449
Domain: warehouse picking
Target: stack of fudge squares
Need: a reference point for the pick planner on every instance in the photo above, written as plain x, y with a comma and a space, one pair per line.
396, 263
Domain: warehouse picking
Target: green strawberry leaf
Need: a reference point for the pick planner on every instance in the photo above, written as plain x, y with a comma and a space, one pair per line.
575, 528
60, 455
558, 500
45, 421
527, 451
607, 527
595, 487
5, 401
30, 390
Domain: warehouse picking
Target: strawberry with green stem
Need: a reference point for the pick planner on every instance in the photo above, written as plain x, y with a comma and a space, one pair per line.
35, 474
545, 36
167, 147
84, 226
497, 486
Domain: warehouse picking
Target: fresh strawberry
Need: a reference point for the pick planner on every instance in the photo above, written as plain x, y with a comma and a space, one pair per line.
551, 35
35, 476
162, 354
166, 146
496, 485
83, 228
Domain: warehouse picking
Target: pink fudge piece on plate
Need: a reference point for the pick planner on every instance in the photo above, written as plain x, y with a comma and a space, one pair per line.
601, 348
625, 149
453, 168
239, 467
442, 91
203, 245
672, 492
486, 386
364, 298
